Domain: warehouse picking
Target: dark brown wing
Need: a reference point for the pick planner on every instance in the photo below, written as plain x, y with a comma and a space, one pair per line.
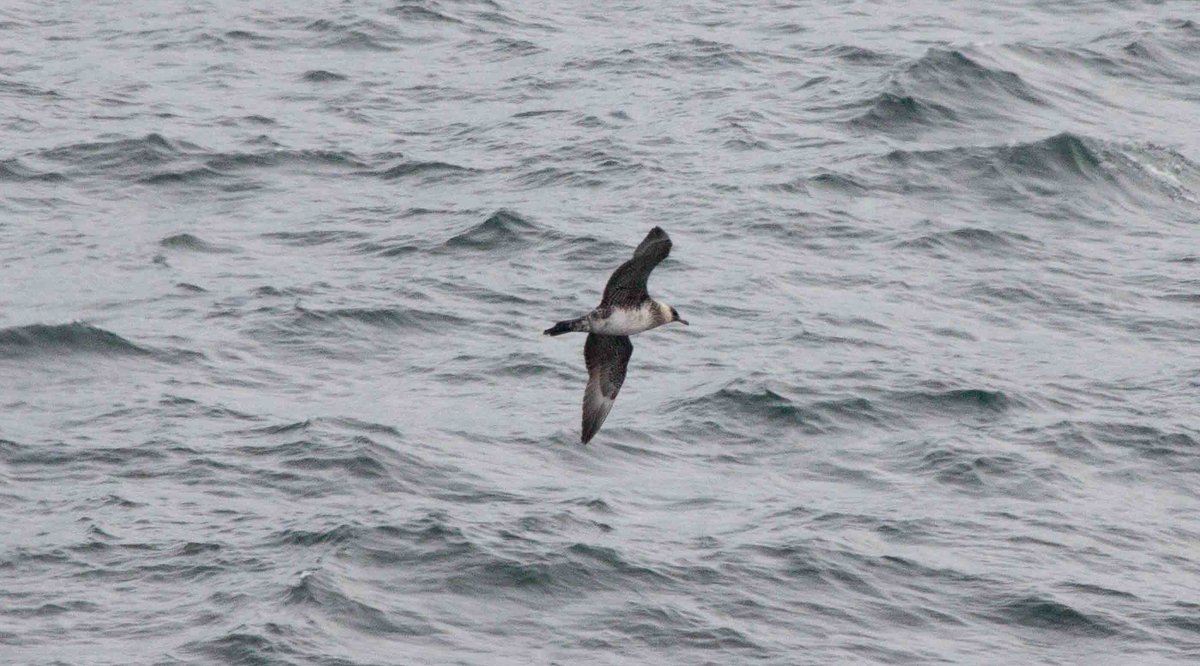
607, 357
627, 285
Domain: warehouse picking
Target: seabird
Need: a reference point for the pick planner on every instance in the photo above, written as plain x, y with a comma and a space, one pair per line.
625, 309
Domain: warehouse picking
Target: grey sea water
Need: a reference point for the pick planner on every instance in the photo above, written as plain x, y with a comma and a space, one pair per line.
273, 388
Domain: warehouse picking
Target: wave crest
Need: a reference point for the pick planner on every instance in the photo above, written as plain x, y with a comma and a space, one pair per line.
55, 340
503, 229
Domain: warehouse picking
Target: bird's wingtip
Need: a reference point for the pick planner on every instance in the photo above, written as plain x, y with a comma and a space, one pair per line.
589, 431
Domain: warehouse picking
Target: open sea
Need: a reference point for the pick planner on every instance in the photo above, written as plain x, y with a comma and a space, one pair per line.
273, 388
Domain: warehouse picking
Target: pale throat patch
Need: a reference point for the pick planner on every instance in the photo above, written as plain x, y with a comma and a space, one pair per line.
665, 311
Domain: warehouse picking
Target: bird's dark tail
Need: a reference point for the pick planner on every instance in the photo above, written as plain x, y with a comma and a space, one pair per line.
569, 326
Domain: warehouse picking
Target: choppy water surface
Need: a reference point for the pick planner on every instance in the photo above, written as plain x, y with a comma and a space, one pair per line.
273, 389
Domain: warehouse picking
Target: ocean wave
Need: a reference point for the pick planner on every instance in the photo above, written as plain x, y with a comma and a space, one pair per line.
887, 410
23, 89
701, 54
553, 176
1060, 159
1098, 590
951, 401
969, 469
316, 237
9, 448
1043, 612
841, 182
393, 247
1162, 53
505, 47
320, 591
743, 401
155, 160
309, 538
943, 89
695, 54
363, 463
246, 645
432, 169
322, 76
150, 149
854, 54
345, 332
950, 74
820, 565
432, 548
13, 170
763, 404
323, 456
124, 459
886, 111
192, 175
52, 609
417, 11
430, 540
246, 36
336, 159
665, 624
1175, 446
37, 340
586, 166
193, 244
969, 238
520, 365
356, 35
1062, 175
502, 229
497, 18
569, 573
338, 424
394, 317
256, 119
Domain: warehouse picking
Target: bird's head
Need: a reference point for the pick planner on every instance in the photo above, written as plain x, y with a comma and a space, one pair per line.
673, 315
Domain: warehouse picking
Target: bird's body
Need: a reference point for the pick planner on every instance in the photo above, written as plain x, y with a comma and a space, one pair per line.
629, 320
625, 309
609, 320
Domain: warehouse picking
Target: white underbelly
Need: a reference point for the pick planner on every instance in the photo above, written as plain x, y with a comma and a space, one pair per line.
625, 322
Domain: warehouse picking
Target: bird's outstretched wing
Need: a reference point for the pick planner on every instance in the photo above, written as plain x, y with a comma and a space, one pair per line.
627, 285
607, 357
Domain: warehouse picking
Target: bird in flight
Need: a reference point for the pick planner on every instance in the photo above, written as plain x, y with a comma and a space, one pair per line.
625, 309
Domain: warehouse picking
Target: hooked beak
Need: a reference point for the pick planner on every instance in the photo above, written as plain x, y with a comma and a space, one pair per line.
683, 321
